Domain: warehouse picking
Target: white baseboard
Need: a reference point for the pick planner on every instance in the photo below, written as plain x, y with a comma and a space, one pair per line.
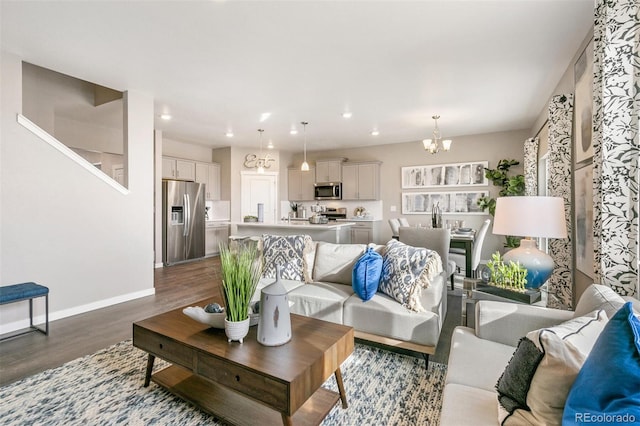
158, 265
40, 319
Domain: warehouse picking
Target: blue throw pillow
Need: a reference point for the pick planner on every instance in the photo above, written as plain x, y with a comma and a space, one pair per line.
366, 274
607, 389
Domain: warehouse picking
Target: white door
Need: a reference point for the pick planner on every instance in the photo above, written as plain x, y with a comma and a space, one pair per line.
259, 188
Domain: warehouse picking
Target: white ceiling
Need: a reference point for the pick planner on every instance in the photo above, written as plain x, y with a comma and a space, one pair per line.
484, 66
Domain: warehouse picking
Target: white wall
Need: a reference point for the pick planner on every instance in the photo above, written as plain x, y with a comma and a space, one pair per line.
189, 151
62, 227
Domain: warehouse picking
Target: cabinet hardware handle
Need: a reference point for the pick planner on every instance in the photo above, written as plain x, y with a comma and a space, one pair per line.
237, 378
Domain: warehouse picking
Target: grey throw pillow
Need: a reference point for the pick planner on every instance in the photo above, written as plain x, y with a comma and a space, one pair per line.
513, 384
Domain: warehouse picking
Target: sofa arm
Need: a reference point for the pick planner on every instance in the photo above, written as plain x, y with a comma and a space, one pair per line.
507, 323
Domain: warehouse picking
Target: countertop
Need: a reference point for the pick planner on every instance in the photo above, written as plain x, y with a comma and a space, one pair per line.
296, 224
358, 219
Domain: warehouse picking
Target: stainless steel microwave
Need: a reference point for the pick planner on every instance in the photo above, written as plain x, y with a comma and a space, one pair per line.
328, 191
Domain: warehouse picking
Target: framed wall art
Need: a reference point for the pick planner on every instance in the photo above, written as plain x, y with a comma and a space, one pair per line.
445, 175
583, 99
584, 220
449, 202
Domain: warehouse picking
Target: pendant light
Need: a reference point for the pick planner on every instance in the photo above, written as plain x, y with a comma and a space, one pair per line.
260, 159
305, 165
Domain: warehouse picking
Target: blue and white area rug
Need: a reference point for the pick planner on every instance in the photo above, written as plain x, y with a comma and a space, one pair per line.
106, 389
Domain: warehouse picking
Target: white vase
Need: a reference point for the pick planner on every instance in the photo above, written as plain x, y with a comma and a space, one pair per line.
274, 328
236, 330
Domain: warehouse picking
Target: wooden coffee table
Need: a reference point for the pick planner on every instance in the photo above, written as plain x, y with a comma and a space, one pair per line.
248, 383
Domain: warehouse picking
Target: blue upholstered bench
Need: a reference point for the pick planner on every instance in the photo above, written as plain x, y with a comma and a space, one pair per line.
26, 291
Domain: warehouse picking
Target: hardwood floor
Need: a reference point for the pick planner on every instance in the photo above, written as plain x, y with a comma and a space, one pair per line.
84, 334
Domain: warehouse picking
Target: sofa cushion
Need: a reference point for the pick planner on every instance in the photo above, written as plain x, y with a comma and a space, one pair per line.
384, 316
366, 274
320, 300
406, 270
289, 252
476, 362
608, 385
596, 297
563, 349
334, 262
466, 405
309, 260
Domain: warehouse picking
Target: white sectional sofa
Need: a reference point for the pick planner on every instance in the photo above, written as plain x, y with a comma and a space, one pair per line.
479, 356
329, 296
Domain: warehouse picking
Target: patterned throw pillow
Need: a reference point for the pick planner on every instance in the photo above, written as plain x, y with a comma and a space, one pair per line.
289, 252
403, 267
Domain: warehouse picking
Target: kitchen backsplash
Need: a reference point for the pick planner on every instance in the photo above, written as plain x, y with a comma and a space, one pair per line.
373, 208
219, 210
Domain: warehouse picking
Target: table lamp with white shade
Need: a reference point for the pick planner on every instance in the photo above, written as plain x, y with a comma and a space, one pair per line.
530, 217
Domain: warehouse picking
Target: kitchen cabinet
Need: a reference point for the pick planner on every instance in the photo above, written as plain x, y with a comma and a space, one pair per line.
209, 174
364, 232
300, 184
215, 233
329, 170
361, 181
175, 168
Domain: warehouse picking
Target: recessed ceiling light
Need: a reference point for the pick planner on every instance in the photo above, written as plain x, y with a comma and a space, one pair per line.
375, 133
270, 145
264, 116
229, 134
346, 114
165, 116
293, 132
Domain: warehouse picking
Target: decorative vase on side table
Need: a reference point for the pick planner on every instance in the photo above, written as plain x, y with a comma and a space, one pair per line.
274, 328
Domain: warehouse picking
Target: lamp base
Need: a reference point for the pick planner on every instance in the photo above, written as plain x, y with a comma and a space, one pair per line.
539, 265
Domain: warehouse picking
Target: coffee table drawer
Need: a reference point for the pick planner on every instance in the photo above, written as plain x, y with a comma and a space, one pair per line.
163, 347
271, 392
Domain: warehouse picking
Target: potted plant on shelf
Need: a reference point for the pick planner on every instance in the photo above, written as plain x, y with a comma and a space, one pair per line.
240, 275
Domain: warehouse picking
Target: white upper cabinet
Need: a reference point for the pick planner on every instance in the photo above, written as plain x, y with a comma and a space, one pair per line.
361, 181
300, 184
175, 168
209, 174
329, 170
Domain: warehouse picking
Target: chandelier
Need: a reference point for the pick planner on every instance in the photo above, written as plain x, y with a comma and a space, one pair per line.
434, 145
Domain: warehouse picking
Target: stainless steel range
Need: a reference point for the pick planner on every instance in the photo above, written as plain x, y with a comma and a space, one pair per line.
333, 213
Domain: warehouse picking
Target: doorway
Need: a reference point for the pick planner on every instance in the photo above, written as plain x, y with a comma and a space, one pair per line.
259, 188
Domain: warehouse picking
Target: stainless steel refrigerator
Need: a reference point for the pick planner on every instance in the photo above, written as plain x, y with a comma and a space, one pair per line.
182, 220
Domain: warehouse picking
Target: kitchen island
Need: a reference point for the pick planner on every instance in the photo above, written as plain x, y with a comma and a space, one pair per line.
332, 232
